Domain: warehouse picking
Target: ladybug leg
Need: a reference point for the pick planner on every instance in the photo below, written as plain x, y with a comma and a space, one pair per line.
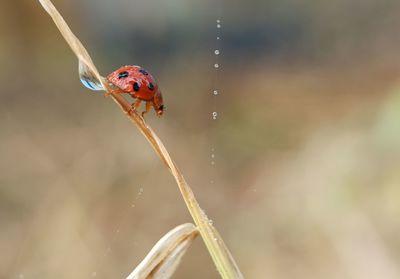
148, 107
136, 104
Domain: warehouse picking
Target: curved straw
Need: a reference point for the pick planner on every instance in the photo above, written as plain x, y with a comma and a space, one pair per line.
164, 257
221, 256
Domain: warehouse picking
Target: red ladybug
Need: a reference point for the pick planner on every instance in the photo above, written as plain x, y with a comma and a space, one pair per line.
141, 85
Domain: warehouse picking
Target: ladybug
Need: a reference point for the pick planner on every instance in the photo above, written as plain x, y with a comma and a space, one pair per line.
137, 82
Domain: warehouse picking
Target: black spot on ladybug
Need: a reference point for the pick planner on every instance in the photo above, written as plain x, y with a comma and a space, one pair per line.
123, 75
151, 86
143, 71
136, 86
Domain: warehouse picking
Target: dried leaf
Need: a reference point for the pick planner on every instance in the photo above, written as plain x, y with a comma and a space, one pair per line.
164, 258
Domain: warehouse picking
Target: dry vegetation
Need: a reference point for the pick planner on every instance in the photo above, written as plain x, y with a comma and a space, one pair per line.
309, 164
220, 254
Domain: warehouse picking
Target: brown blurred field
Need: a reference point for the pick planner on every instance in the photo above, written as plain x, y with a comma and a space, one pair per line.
307, 174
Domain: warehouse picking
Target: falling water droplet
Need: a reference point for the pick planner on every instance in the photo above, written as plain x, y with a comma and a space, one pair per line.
215, 92
212, 156
218, 25
214, 115
217, 38
216, 65
218, 21
216, 52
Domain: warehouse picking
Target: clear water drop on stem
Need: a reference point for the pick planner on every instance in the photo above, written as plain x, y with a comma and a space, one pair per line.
88, 79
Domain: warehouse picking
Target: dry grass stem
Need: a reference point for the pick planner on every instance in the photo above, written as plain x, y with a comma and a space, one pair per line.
214, 243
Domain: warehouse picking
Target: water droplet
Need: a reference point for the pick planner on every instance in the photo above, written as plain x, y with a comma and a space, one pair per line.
212, 163
218, 25
210, 222
91, 85
217, 38
88, 79
214, 115
218, 21
212, 155
215, 92
216, 52
216, 65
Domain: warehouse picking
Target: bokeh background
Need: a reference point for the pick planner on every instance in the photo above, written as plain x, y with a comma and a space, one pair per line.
307, 140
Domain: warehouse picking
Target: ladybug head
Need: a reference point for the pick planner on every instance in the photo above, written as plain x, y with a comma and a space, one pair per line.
158, 103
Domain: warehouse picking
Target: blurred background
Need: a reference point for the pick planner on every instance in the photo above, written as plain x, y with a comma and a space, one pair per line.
307, 139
